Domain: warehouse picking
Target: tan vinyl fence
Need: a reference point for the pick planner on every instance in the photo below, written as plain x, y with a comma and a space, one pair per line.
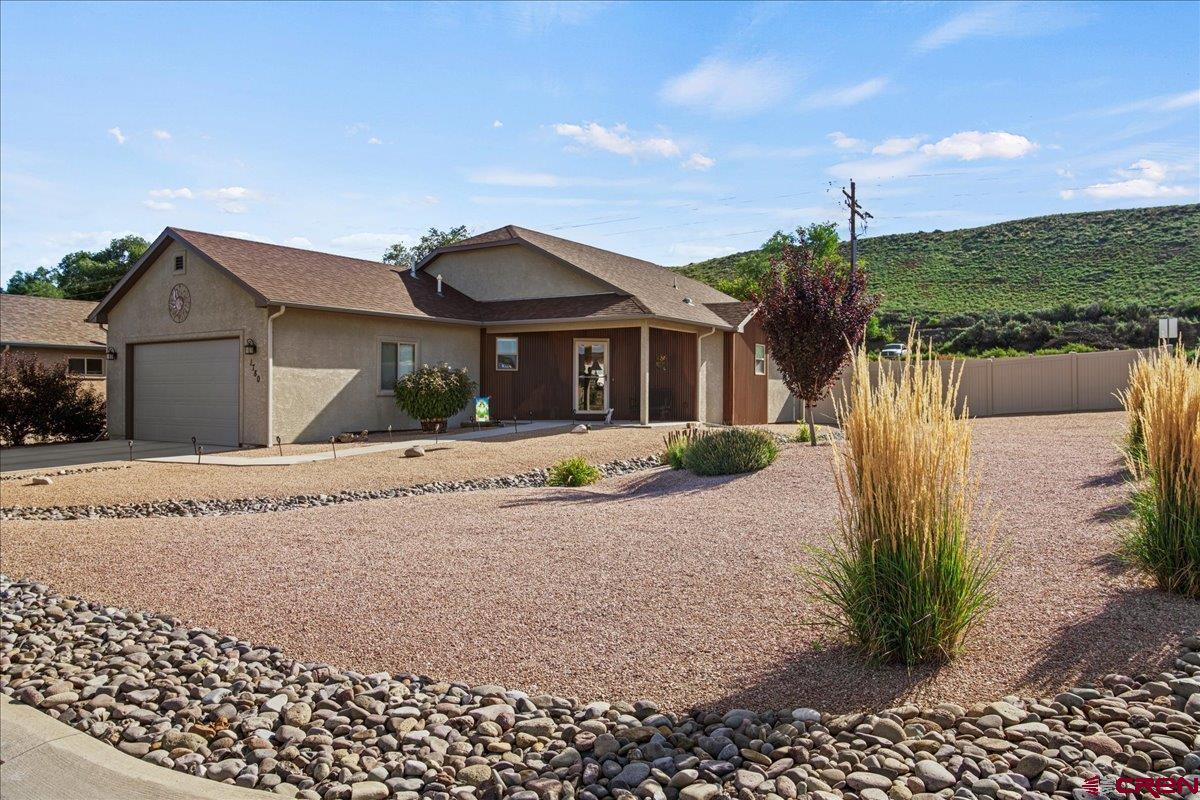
1027, 384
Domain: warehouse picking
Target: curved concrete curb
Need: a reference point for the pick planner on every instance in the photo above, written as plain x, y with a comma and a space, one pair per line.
44, 759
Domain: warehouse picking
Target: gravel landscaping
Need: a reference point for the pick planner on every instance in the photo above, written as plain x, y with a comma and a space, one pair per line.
142, 482
657, 584
197, 701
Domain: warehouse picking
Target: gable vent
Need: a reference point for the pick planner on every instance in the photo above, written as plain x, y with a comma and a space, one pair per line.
179, 263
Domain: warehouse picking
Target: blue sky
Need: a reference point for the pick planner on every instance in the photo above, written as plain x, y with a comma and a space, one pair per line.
673, 132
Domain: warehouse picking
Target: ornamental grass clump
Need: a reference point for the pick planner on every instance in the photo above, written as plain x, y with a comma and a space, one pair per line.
676, 444
1164, 539
731, 451
572, 472
904, 580
1133, 399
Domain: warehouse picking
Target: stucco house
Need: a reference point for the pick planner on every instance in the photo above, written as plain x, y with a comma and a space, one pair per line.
56, 332
240, 342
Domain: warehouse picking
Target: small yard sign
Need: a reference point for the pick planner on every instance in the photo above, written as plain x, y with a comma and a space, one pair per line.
483, 409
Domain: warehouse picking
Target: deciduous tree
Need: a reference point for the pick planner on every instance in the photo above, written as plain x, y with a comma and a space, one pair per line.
404, 255
814, 314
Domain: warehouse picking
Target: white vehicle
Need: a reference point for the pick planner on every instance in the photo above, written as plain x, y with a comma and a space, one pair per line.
894, 350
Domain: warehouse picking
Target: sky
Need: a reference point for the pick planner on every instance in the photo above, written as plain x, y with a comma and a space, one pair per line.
671, 132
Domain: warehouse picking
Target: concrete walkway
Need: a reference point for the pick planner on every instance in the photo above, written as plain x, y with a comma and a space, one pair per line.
43, 759
350, 451
56, 456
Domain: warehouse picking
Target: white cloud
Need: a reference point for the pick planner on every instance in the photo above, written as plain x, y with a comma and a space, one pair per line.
298, 241
1001, 19
1143, 179
233, 199
369, 245
843, 142
115, 132
973, 145
897, 145
700, 162
357, 128
880, 169
159, 205
162, 135
617, 139
170, 194
729, 88
431, 200
846, 95
497, 124
253, 237
374, 140
1161, 103
538, 16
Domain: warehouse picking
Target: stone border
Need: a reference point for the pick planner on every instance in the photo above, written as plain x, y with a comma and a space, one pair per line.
203, 703
261, 505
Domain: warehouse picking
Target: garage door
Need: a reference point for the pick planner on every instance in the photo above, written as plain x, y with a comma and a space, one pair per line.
186, 389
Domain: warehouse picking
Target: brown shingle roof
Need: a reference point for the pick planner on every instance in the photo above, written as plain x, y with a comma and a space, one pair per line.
734, 313
277, 275
662, 292
29, 320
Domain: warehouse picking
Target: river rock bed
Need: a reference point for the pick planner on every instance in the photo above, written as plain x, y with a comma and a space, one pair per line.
260, 505
194, 700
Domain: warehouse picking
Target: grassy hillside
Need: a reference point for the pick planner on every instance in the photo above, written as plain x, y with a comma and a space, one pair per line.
1148, 256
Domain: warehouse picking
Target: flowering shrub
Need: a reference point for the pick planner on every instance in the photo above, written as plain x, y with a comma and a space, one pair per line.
434, 393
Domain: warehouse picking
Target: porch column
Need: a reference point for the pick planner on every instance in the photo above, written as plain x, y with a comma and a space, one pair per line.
644, 376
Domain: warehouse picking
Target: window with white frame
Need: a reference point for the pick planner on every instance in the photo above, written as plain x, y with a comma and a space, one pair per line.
396, 359
85, 367
760, 359
508, 354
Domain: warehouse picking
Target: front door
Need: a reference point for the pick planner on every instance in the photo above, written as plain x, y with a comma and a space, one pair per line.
592, 369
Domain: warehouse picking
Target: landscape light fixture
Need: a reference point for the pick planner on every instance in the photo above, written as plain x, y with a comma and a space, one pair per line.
250, 347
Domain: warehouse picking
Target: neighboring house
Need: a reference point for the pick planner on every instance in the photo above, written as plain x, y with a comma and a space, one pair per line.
239, 342
57, 332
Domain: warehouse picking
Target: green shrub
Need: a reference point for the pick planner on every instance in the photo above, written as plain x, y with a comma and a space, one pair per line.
802, 436
904, 581
434, 393
676, 444
731, 451
41, 401
573, 472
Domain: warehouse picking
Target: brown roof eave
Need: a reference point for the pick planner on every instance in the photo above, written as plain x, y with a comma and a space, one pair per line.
55, 345
368, 312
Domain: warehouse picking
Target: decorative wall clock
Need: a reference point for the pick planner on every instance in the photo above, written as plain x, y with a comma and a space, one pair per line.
180, 302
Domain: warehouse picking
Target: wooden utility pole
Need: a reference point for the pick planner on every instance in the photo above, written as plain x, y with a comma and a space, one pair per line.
856, 213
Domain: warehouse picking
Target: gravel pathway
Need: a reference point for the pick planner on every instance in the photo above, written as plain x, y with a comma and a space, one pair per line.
196, 701
659, 585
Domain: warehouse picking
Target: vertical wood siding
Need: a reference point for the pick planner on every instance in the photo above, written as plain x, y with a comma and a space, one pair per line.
543, 387
672, 376
745, 392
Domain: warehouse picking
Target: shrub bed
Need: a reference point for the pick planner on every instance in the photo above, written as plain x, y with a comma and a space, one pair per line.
40, 401
433, 394
730, 451
572, 472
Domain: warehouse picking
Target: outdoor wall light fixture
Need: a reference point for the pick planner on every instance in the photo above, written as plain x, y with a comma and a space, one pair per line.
110, 354
250, 348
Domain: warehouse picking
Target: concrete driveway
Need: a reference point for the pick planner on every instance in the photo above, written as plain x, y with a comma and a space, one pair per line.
56, 456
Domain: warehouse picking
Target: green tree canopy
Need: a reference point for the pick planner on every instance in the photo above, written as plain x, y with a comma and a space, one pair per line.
82, 275
403, 255
820, 239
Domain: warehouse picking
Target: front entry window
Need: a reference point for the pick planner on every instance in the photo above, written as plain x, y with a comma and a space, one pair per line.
591, 370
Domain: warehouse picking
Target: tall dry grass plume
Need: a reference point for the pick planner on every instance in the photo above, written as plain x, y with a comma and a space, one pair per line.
1164, 539
1132, 399
905, 580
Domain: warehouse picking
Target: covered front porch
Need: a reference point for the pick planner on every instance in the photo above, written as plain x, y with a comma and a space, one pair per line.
629, 372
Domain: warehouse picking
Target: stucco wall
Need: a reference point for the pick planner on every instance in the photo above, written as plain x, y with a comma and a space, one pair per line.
712, 374
219, 308
781, 406
326, 369
59, 355
512, 272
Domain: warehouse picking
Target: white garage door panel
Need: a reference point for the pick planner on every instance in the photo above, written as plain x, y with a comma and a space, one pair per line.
186, 389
